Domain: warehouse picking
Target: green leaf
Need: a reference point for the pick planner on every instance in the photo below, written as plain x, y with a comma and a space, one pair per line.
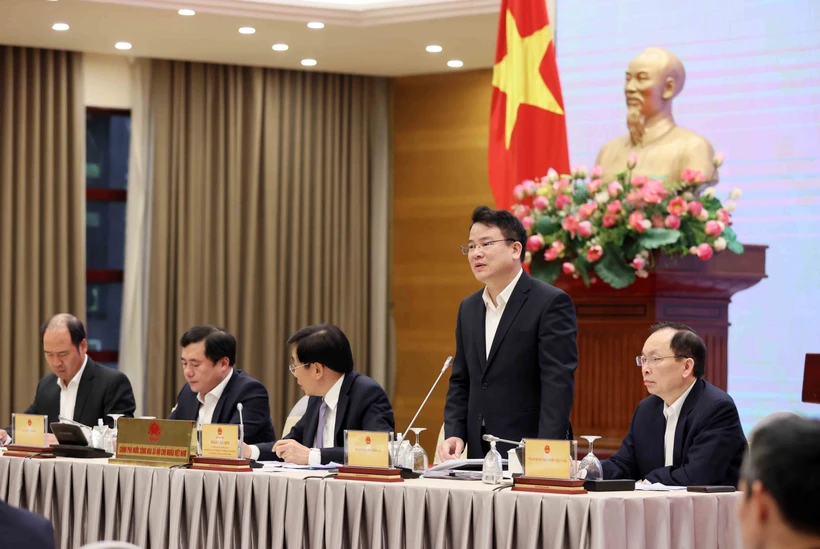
655, 238
735, 246
580, 192
613, 268
546, 225
545, 271
729, 234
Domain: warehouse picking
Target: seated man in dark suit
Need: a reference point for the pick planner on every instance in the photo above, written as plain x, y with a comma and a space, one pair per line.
22, 529
78, 388
339, 399
214, 387
688, 432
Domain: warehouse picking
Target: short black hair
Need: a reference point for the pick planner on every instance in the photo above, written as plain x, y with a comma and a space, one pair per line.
510, 226
75, 327
783, 455
219, 344
686, 343
323, 344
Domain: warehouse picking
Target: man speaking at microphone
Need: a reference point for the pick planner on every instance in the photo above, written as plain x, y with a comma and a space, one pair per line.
215, 387
516, 354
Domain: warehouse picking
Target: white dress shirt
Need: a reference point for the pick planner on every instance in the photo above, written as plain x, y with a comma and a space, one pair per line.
68, 394
672, 413
209, 401
493, 315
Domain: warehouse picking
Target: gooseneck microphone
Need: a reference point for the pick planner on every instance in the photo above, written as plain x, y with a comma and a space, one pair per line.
447, 364
241, 428
491, 438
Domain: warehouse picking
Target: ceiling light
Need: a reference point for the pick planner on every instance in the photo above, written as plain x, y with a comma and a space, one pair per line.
280, 47
455, 64
316, 25
187, 13
309, 62
433, 48
123, 45
247, 30
60, 26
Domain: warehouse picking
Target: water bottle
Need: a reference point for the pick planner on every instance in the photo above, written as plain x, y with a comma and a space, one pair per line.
492, 471
98, 435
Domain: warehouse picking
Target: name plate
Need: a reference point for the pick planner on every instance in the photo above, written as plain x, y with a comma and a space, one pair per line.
219, 441
156, 442
29, 430
367, 449
547, 458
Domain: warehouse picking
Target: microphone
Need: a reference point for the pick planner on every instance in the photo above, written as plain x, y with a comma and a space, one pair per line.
491, 438
447, 364
241, 428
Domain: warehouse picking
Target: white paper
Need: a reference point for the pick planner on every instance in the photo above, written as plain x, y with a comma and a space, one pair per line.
281, 465
657, 487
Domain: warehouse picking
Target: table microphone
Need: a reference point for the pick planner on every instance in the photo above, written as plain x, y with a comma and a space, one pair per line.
447, 364
490, 438
241, 426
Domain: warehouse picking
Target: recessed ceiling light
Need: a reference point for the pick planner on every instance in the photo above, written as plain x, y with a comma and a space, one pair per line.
316, 25
123, 45
309, 62
433, 48
60, 26
187, 13
247, 30
455, 64
280, 47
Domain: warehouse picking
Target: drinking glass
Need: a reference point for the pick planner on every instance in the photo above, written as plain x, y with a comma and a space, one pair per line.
418, 457
590, 463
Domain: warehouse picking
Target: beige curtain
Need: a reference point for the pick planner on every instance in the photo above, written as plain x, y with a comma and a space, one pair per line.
261, 215
42, 209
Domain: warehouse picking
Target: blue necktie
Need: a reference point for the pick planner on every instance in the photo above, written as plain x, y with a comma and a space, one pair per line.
320, 430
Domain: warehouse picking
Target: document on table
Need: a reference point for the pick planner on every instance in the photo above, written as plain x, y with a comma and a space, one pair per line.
282, 466
657, 487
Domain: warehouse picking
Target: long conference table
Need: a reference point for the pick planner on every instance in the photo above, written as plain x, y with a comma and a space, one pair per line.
90, 500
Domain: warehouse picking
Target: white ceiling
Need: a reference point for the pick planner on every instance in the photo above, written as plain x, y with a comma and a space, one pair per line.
374, 37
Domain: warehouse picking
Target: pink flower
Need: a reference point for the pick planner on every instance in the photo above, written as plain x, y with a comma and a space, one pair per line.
638, 263
579, 172
535, 243
587, 209
633, 198
632, 161
695, 208
597, 172
521, 211
717, 161
705, 251
639, 181
723, 216
614, 188
653, 192
688, 175
540, 202
562, 201
585, 229
614, 207
558, 246
570, 224
551, 254
527, 222
672, 222
568, 268
594, 185
518, 192
677, 206
594, 253
530, 186
636, 221
552, 175
657, 221
713, 228
560, 184
610, 220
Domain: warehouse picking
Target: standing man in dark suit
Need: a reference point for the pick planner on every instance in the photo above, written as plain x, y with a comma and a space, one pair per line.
22, 529
687, 432
514, 370
340, 399
78, 388
215, 387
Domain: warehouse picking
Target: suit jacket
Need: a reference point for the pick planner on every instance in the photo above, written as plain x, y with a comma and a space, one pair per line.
709, 442
240, 388
525, 388
363, 405
22, 529
102, 391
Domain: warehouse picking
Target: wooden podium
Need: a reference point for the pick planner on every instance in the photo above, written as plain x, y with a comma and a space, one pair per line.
613, 325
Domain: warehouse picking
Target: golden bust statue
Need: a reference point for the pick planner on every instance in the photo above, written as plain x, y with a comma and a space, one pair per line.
654, 78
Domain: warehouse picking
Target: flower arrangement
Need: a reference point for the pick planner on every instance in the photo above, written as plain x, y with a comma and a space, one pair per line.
579, 225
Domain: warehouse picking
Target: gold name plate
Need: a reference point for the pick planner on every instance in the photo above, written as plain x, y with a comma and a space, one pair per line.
367, 449
29, 430
547, 458
220, 441
154, 442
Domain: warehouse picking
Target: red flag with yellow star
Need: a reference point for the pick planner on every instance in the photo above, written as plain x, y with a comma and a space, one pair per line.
528, 133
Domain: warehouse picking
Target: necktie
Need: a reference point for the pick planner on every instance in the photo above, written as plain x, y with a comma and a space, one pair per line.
320, 430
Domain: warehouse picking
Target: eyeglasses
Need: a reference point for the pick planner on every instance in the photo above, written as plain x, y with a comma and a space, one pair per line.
643, 361
483, 245
292, 367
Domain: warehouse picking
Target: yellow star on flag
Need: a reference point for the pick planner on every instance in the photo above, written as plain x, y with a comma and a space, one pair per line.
518, 74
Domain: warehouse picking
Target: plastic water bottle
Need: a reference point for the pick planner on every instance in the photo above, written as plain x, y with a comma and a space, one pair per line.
98, 435
492, 471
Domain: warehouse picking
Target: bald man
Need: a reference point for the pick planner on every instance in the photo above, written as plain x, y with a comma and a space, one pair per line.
663, 149
78, 388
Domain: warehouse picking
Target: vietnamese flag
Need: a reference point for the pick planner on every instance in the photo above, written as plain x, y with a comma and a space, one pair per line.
528, 132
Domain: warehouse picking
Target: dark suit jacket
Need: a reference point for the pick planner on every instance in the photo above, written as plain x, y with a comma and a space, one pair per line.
525, 388
363, 406
240, 388
102, 391
22, 529
709, 442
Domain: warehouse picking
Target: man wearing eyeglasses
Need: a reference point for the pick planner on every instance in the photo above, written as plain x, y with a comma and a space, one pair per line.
687, 432
516, 352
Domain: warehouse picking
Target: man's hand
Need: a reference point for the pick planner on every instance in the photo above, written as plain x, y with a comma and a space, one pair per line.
451, 449
291, 451
246, 451
3, 436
